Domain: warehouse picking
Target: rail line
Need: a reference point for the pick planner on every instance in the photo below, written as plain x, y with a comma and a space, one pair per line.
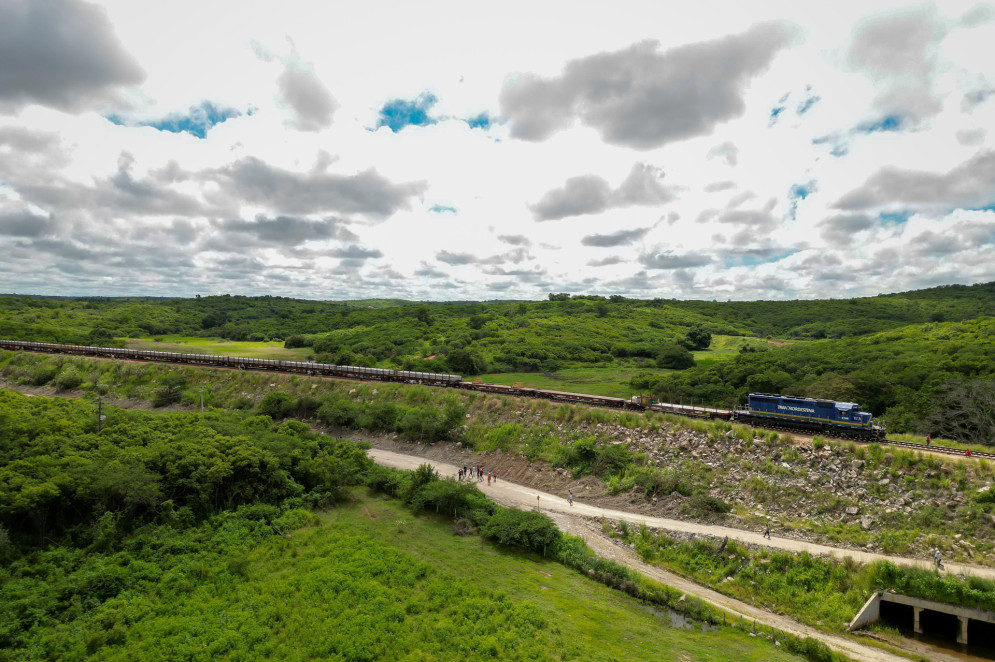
444, 380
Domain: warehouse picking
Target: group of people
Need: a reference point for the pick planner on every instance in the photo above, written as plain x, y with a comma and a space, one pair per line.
478, 473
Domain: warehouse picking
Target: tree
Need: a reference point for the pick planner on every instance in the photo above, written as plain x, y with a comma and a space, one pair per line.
277, 405
527, 529
170, 389
463, 362
964, 411
674, 357
698, 338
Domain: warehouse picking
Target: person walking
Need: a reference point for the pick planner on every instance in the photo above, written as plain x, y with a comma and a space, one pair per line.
767, 531
570, 497
488, 480
936, 558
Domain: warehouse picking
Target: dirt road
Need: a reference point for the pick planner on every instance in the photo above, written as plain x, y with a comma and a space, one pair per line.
519, 496
576, 520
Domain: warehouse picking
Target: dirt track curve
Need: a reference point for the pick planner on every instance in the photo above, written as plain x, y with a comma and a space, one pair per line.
577, 520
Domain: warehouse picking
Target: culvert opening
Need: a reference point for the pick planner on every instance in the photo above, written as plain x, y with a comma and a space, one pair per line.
938, 624
981, 639
898, 616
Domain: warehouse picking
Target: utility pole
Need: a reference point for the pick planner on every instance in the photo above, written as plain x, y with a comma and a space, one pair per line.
201, 399
100, 415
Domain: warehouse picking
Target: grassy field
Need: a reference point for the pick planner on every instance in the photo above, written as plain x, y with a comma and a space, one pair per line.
611, 381
724, 348
373, 581
560, 613
219, 346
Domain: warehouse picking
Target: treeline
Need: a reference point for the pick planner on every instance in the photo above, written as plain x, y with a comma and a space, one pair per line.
470, 338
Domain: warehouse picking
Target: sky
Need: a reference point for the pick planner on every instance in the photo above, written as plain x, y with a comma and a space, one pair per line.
450, 151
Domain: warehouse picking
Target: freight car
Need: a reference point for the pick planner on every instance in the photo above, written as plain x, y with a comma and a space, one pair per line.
242, 363
838, 419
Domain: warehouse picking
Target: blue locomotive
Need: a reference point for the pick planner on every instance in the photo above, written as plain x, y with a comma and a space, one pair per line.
810, 414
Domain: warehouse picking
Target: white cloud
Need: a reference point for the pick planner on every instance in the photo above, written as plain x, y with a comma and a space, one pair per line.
296, 196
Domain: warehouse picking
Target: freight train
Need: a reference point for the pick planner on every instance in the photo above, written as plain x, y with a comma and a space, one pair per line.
841, 419
827, 417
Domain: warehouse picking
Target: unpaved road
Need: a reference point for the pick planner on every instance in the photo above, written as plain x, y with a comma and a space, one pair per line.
576, 520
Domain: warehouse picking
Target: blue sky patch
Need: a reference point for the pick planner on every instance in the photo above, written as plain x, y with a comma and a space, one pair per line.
197, 121
800, 192
776, 111
442, 209
895, 217
990, 207
807, 104
481, 121
399, 113
842, 149
885, 124
755, 258
839, 146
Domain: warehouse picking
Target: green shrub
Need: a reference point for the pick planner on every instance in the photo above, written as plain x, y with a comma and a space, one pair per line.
43, 374
339, 413
527, 529
701, 505
68, 379
674, 357
170, 389
277, 405
298, 518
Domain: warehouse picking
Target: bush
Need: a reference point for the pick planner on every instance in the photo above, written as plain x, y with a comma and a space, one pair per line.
170, 389
43, 374
306, 406
674, 357
701, 505
527, 529
298, 518
698, 338
340, 413
296, 341
68, 379
277, 405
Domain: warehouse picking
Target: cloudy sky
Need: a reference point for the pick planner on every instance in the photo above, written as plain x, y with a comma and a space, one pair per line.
445, 151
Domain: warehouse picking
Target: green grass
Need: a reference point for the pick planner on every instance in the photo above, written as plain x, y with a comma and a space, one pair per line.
610, 381
586, 619
823, 592
375, 582
220, 346
724, 348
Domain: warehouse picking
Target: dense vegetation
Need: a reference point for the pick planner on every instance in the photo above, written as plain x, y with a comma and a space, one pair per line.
906, 357
168, 535
572, 437
912, 375
820, 591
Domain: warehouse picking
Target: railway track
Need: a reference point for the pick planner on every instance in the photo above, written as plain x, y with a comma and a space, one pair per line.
933, 448
681, 409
